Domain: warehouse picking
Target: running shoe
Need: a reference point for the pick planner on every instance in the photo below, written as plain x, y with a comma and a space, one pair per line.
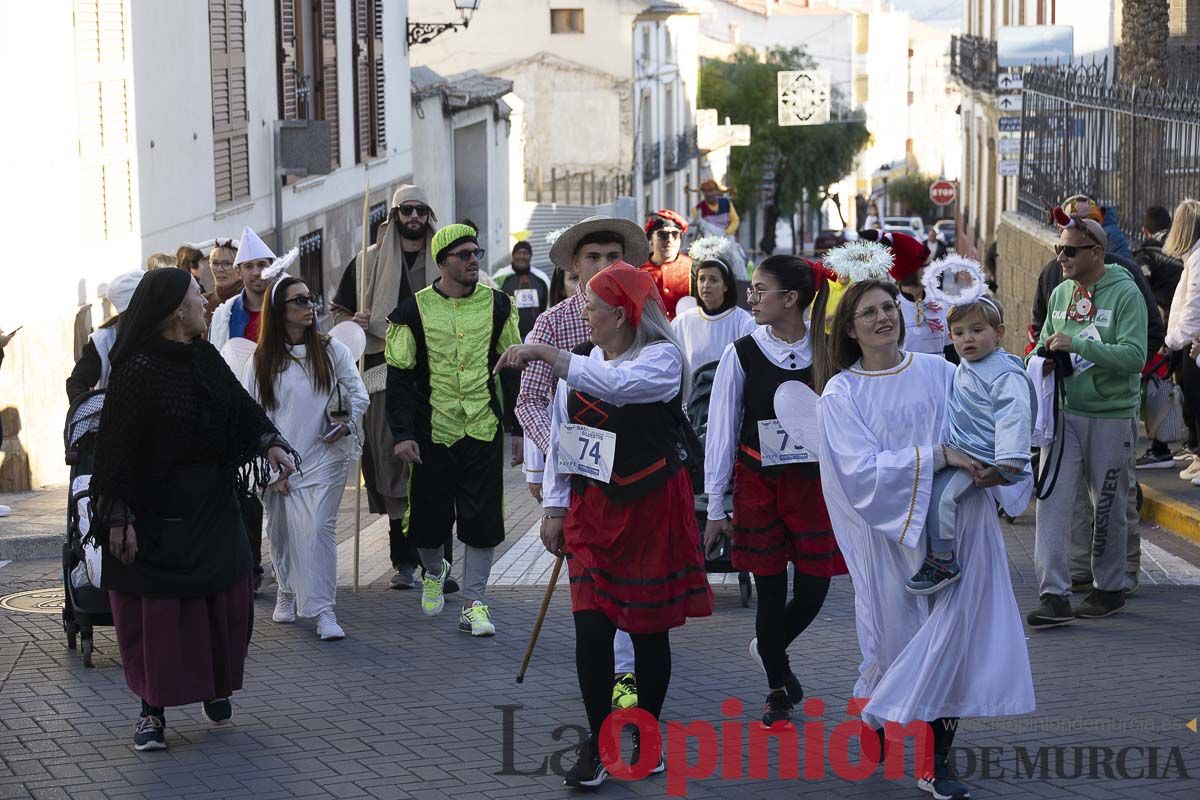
285, 607
150, 733
433, 598
777, 709
1100, 603
476, 620
402, 578
328, 628
934, 575
1192, 471
217, 712
1153, 460
589, 771
624, 693
944, 784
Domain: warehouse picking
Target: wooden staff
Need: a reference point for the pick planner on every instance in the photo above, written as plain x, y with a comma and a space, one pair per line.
360, 276
537, 625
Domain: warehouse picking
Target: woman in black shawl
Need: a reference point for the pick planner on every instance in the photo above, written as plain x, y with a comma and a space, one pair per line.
177, 434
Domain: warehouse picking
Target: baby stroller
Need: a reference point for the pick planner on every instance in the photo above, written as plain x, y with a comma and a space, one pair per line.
719, 560
86, 604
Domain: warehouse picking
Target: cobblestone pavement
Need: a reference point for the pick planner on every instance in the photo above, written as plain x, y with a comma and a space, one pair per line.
408, 707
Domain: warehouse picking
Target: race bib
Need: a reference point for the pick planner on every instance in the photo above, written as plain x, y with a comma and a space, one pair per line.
1080, 363
527, 298
777, 447
586, 451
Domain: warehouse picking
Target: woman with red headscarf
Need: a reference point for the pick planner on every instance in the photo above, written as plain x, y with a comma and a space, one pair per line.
779, 515
618, 499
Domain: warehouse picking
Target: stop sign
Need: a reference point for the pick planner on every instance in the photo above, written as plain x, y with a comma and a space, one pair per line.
941, 192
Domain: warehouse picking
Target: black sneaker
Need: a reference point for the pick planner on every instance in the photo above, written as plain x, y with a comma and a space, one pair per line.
589, 771
151, 733
778, 709
661, 766
792, 684
1099, 603
1054, 610
217, 712
944, 784
934, 575
1153, 460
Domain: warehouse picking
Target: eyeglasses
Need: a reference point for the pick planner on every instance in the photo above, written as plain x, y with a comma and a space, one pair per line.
467, 255
670, 234
754, 294
889, 309
302, 301
1071, 250
221, 264
410, 211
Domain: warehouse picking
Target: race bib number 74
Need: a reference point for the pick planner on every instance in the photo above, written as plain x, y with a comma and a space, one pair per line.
586, 451
777, 447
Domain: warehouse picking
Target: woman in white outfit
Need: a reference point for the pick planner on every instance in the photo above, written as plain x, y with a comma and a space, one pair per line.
310, 387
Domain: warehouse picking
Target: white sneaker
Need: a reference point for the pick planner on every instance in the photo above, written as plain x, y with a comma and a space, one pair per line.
1192, 471
5, 511
1196, 481
476, 620
285, 607
328, 628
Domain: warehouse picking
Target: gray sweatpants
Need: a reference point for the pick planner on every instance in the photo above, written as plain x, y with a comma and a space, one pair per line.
1084, 525
1096, 455
477, 567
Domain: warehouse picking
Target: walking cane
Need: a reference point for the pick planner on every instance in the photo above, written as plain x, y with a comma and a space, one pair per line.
361, 280
537, 625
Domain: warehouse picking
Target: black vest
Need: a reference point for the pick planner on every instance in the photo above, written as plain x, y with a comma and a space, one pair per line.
763, 377
650, 448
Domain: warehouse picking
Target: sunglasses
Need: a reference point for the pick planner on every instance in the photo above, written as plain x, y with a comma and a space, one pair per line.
668, 234
301, 301
467, 255
1071, 250
412, 211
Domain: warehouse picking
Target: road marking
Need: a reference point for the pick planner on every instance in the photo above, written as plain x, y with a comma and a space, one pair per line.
1162, 567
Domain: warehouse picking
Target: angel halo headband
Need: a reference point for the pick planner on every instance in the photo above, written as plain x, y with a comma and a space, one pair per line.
947, 273
209, 244
280, 267
711, 248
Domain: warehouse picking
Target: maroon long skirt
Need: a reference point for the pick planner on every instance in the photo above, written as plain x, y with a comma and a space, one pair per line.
181, 650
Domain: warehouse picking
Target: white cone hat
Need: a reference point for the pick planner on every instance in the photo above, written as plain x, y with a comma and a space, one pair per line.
252, 248
120, 289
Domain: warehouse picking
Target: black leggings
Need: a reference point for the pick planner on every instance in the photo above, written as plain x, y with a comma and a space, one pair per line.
779, 621
594, 634
1188, 378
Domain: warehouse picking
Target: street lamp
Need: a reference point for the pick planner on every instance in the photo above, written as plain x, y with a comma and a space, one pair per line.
422, 32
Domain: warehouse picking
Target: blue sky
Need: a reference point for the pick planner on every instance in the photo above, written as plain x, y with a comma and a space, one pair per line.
943, 13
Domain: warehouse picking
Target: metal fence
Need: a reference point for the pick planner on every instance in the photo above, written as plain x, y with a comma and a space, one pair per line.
581, 188
1128, 147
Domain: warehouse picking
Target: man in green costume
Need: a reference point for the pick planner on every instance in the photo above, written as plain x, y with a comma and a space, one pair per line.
445, 411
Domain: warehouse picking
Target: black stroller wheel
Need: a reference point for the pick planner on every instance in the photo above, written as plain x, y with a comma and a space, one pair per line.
86, 647
72, 631
744, 588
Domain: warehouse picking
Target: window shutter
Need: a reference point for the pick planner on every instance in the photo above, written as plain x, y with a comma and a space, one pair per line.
380, 117
289, 78
101, 54
327, 83
231, 141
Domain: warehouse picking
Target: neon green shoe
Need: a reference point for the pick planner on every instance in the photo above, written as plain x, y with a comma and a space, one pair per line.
625, 692
476, 620
433, 600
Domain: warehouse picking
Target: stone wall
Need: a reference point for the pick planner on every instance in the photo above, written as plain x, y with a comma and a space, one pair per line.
1023, 248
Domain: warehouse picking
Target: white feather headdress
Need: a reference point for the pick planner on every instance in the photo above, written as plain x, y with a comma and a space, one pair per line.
955, 281
862, 260
712, 248
553, 235
279, 268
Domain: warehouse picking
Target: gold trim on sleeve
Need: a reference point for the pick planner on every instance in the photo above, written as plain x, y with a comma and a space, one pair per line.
913, 503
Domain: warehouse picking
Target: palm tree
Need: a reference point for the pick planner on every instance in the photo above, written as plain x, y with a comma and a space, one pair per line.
1145, 27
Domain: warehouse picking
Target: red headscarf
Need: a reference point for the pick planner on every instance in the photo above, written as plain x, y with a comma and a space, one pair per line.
909, 255
665, 215
624, 286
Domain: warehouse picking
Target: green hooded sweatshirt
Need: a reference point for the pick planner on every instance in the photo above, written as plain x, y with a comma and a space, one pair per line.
1110, 388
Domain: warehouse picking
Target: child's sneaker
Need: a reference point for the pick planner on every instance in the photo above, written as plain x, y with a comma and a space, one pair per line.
934, 575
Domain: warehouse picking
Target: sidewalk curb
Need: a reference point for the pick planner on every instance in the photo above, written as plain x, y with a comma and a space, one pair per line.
1172, 515
30, 546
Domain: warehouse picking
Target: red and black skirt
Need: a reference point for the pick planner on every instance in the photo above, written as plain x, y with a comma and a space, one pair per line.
779, 518
638, 562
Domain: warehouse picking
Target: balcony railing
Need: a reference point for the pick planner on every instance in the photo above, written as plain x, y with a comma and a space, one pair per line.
651, 160
973, 62
681, 149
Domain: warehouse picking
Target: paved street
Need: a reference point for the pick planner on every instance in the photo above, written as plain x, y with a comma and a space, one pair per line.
407, 707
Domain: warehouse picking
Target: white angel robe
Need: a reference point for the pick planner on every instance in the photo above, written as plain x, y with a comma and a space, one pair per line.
302, 525
964, 654
704, 337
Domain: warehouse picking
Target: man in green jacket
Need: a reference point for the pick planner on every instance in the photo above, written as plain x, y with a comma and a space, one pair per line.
1098, 319
445, 413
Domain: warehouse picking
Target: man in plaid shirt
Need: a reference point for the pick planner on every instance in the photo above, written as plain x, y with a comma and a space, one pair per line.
585, 248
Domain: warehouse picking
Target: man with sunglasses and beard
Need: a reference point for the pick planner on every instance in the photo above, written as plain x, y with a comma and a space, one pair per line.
398, 264
670, 267
1097, 317
1156, 333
